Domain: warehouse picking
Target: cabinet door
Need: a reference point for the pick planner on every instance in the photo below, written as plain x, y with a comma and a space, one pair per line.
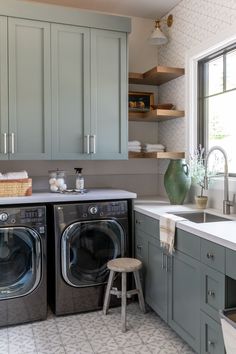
212, 341
156, 285
141, 246
147, 224
29, 90
184, 298
3, 89
70, 92
213, 291
109, 95
140, 251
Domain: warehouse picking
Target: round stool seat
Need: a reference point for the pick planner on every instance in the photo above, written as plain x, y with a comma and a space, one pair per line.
124, 265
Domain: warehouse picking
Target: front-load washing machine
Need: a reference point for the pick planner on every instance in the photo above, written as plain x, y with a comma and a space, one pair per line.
23, 293
86, 236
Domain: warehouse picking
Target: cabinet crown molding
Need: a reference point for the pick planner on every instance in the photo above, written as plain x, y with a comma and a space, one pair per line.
64, 15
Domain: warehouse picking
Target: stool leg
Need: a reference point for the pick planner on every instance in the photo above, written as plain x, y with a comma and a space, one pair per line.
140, 291
108, 295
123, 302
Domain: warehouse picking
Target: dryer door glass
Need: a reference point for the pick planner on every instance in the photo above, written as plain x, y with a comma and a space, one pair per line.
20, 261
86, 248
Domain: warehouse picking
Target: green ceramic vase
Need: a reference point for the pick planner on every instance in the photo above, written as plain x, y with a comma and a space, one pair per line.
177, 181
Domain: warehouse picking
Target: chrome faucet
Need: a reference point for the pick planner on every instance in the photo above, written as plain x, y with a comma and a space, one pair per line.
226, 202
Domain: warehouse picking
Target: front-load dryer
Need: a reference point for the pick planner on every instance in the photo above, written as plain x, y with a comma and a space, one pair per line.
23, 293
86, 236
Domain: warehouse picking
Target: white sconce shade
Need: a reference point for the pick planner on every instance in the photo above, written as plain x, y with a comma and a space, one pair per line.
157, 36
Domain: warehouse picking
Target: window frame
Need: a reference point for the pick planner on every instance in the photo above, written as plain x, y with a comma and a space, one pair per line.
216, 43
202, 121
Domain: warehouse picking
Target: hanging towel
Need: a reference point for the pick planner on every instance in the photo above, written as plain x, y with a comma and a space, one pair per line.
167, 230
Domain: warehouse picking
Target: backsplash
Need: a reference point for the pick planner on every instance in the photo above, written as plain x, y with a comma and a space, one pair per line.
141, 178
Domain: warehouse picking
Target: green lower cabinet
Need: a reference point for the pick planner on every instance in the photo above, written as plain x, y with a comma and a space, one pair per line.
211, 336
186, 289
184, 298
156, 285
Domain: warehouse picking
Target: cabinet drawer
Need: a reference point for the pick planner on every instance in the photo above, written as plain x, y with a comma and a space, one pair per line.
213, 255
147, 224
188, 243
230, 263
211, 336
212, 291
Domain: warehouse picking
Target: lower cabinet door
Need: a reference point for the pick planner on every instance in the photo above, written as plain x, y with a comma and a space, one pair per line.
213, 291
184, 298
156, 287
212, 341
141, 248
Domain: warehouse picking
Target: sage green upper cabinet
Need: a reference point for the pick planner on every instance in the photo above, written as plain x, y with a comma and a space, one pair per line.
3, 89
70, 92
109, 132
29, 90
63, 83
89, 93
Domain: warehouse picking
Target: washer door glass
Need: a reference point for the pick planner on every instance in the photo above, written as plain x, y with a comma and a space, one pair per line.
20, 261
87, 247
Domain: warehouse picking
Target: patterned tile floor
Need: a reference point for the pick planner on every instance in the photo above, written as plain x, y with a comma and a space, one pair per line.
94, 333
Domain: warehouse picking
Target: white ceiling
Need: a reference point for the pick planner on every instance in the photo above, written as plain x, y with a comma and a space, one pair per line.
153, 9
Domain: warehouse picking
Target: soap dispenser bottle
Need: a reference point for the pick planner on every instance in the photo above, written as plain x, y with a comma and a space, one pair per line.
79, 182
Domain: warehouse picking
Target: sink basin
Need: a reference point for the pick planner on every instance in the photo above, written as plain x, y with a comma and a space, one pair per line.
201, 217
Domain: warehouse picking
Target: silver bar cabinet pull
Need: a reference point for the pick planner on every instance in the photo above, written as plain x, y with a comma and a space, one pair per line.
12, 143
87, 144
94, 144
5, 143
166, 266
162, 261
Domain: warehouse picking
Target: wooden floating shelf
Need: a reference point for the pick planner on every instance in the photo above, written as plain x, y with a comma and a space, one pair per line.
157, 155
156, 76
156, 115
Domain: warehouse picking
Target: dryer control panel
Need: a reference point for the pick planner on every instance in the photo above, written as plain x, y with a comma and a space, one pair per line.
108, 209
92, 210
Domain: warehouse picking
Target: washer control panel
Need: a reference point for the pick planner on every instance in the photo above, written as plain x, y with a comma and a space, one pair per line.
30, 216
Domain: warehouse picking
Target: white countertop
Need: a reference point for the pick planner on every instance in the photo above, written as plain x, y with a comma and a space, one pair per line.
91, 194
222, 233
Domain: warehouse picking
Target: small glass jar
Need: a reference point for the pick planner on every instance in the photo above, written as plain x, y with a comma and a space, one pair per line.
57, 181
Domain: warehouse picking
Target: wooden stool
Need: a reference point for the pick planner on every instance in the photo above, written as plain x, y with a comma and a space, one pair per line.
124, 266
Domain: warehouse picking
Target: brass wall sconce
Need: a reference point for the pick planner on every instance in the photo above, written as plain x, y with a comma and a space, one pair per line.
157, 36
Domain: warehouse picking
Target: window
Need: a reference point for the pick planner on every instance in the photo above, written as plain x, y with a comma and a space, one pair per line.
217, 102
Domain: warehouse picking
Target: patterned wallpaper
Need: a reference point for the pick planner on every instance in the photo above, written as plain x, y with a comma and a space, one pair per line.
194, 22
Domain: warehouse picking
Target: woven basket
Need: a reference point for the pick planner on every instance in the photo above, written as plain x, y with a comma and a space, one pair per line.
16, 187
